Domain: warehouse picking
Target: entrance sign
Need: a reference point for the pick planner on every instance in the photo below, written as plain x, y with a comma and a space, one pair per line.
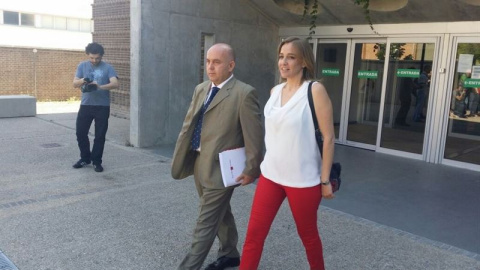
471, 83
331, 72
408, 73
367, 74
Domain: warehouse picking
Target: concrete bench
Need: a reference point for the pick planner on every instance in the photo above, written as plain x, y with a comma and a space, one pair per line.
17, 106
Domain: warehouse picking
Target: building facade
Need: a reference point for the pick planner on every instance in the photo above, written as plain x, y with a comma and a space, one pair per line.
168, 42
368, 88
112, 30
43, 42
365, 67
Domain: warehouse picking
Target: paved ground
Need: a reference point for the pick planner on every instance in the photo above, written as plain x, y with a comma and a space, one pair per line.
134, 216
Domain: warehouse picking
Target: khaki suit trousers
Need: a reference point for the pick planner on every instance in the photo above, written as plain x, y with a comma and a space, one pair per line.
215, 219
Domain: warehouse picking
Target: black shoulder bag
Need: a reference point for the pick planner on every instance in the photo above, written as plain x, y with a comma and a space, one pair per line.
336, 169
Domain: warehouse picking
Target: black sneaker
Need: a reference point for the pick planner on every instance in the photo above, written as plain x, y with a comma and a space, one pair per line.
98, 167
80, 164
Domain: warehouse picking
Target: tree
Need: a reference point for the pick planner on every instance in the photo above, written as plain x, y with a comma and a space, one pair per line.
397, 50
470, 48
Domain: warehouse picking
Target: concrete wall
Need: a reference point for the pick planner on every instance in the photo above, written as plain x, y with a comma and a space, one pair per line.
166, 58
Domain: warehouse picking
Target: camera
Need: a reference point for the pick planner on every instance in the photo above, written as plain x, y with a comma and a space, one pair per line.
349, 29
87, 87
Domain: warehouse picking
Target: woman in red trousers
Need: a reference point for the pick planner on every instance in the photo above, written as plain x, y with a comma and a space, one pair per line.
293, 167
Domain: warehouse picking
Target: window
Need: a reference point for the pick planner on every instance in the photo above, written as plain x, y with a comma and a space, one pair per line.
73, 24
60, 23
47, 21
85, 26
28, 19
463, 130
10, 17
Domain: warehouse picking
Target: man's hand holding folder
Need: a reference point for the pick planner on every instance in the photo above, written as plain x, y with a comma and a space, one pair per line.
232, 164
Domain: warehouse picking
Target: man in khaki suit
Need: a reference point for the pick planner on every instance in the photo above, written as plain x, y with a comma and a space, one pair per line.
231, 120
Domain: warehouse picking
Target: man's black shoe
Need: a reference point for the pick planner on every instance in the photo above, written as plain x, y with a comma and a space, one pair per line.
80, 164
223, 262
98, 167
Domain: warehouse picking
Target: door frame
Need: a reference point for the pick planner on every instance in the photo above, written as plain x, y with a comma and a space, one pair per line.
346, 79
348, 92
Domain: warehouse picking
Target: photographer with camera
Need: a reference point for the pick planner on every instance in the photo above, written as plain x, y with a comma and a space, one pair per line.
88, 86
95, 78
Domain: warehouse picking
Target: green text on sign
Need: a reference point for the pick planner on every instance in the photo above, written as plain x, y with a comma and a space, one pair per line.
471, 83
408, 73
367, 74
331, 72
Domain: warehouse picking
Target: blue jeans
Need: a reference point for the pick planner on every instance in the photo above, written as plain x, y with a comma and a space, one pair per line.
459, 107
418, 113
85, 116
473, 100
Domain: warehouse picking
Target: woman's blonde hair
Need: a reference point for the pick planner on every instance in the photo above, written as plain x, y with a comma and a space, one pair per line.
306, 53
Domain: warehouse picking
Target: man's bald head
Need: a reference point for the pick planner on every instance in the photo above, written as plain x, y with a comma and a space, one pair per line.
220, 62
225, 48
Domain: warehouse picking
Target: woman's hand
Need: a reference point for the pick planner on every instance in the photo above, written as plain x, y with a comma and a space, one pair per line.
327, 191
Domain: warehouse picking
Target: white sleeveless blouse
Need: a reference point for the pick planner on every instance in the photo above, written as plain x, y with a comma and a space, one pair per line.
292, 157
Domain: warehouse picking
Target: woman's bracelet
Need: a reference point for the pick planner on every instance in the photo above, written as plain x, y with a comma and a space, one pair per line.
325, 183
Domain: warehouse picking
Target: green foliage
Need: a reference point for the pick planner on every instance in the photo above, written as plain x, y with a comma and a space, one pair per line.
470, 48
73, 99
314, 13
397, 50
365, 4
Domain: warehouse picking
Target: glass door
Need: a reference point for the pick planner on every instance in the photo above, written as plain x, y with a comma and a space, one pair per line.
462, 143
407, 95
365, 94
331, 60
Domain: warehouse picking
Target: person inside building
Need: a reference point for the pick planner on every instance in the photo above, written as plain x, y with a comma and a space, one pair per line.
474, 102
472, 95
95, 78
422, 94
224, 114
408, 87
293, 167
459, 108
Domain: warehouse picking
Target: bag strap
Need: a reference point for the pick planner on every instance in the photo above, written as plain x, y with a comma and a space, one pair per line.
314, 116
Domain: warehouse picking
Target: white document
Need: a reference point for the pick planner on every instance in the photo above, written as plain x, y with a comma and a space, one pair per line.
475, 72
232, 163
465, 63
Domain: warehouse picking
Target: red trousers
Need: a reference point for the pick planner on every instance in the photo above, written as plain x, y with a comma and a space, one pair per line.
304, 203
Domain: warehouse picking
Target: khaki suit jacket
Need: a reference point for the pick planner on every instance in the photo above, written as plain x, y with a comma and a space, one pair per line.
232, 120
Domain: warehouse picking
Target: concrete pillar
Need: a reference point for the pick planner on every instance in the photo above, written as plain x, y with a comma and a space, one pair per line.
166, 58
